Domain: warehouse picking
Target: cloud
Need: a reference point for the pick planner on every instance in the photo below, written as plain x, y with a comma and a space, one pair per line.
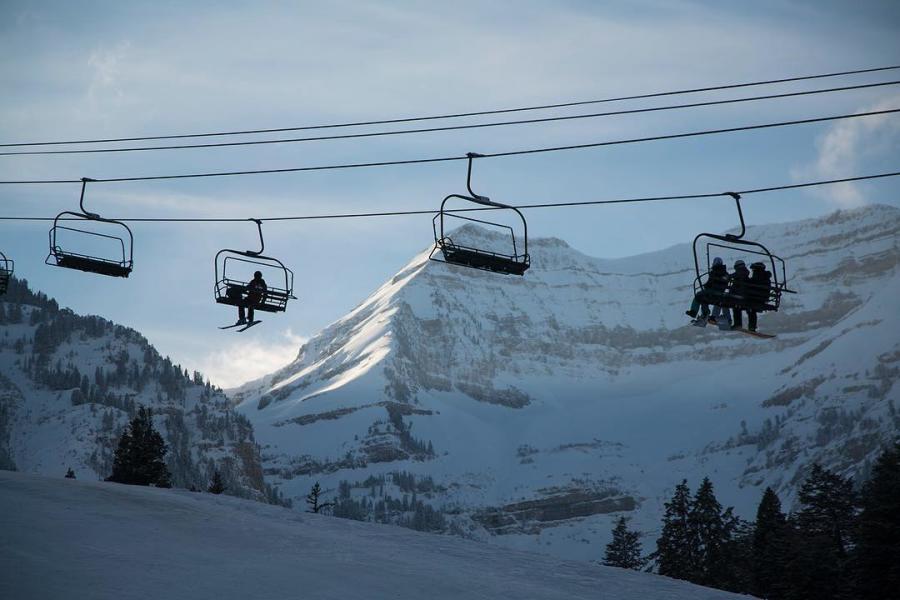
845, 146
247, 359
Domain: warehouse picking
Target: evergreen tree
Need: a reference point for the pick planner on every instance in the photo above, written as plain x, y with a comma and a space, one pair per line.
769, 548
878, 531
624, 550
312, 500
216, 486
710, 538
70, 474
818, 567
675, 548
139, 456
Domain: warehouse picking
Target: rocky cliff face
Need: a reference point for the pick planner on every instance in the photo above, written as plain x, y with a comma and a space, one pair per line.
543, 406
69, 385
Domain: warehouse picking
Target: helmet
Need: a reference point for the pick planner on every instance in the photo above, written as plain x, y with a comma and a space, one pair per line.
739, 264
758, 266
257, 275
717, 261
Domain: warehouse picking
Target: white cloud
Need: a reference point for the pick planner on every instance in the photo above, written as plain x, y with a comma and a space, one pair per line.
844, 147
246, 359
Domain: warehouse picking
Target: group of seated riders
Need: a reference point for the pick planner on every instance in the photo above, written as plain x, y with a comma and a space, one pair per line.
255, 295
742, 290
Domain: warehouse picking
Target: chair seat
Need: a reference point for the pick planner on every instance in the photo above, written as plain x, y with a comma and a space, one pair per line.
274, 300
487, 261
92, 265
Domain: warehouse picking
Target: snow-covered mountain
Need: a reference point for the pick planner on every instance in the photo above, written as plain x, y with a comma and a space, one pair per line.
533, 410
69, 385
67, 539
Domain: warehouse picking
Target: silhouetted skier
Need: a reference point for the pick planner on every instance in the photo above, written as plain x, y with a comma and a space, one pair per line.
712, 290
256, 293
737, 292
758, 289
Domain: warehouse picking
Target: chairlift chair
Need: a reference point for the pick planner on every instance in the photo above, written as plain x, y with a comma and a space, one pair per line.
479, 258
764, 300
234, 290
7, 266
67, 258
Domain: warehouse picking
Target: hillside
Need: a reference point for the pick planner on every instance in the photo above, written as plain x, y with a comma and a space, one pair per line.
532, 411
70, 383
105, 540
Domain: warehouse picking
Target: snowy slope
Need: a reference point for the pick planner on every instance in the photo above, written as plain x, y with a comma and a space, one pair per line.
69, 385
542, 407
89, 540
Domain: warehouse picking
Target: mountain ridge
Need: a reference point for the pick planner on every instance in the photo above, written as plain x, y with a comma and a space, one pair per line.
555, 390
69, 384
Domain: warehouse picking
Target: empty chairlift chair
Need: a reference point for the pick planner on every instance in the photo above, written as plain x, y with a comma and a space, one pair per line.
113, 237
234, 269
6, 272
753, 297
512, 262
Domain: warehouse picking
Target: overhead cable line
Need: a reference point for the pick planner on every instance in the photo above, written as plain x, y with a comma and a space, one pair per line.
462, 114
398, 213
455, 127
456, 158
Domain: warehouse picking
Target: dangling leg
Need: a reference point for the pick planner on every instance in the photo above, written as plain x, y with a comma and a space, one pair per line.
738, 318
250, 313
751, 325
241, 318
695, 306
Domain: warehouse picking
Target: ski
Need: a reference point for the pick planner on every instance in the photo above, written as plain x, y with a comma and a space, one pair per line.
249, 325
232, 326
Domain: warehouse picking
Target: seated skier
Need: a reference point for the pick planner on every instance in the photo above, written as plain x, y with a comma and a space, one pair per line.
758, 288
737, 293
712, 291
256, 292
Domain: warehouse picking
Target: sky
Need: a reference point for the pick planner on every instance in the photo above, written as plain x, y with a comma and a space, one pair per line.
111, 69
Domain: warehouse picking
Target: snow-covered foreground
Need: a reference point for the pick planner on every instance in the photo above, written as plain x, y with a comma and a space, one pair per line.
75, 539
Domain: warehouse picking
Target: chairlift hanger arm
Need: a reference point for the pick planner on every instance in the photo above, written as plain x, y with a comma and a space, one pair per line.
262, 243
737, 201
86, 213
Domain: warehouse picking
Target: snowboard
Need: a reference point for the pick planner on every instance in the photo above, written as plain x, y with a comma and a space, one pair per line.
764, 336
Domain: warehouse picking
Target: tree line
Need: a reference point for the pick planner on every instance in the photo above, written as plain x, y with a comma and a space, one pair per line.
841, 543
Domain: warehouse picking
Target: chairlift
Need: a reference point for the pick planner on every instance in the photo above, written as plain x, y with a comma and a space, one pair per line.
761, 300
233, 286
65, 257
480, 258
7, 266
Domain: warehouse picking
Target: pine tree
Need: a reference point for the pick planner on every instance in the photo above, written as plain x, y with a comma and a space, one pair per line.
624, 550
675, 549
710, 538
312, 500
769, 548
139, 458
70, 474
216, 486
818, 567
878, 531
